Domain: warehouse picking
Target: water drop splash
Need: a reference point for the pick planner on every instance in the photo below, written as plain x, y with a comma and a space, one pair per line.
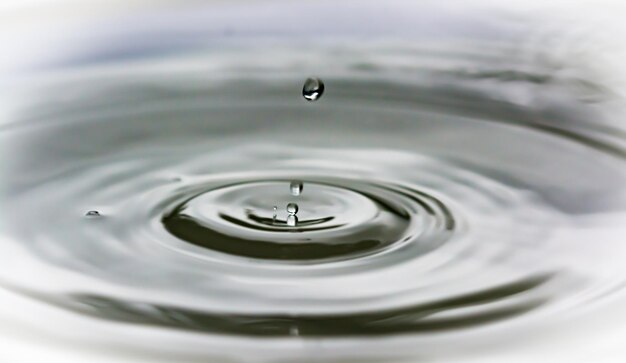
292, 208
292, 220
92, 213
313, 89
296, 188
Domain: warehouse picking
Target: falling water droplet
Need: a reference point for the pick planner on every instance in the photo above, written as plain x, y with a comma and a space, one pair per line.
292, 220
292, 208
93, 213
313, 89
296, 187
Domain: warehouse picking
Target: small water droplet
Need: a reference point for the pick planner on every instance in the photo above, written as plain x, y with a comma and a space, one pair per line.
275, 214
292, 220
313, 89
294, 330
292, 208
93, 213
296, 187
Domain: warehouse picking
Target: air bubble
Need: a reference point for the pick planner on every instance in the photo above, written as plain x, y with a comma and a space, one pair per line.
313, 89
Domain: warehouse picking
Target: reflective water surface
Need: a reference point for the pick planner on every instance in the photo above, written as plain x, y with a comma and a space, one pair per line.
437, 201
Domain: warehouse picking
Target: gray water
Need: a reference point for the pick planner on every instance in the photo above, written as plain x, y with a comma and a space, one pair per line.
450, 200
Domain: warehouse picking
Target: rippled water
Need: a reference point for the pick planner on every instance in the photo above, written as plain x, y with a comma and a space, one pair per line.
445, 195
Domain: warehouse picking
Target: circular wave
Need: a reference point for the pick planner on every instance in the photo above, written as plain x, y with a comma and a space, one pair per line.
336, 218
433, 209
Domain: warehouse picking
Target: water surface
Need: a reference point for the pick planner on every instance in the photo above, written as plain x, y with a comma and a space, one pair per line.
450, 198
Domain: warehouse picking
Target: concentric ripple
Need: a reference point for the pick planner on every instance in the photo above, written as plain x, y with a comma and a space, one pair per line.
421, 215
337, 218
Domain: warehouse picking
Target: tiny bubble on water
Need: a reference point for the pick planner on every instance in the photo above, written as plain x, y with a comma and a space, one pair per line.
296, 187
313, 89
93, 213
292, 220
292, 208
